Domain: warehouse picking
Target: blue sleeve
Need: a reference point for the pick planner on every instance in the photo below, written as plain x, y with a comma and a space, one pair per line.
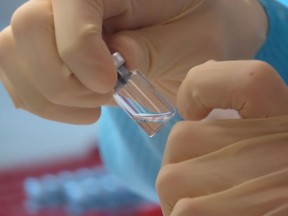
129, 153
275, 50
134, 157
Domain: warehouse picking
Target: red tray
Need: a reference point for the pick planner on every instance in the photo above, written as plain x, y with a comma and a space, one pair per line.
12, 195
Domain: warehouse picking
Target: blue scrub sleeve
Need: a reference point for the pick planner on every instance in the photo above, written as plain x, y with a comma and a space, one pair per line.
275, 50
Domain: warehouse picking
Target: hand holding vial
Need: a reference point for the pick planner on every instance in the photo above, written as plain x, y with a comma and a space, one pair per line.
55, 57
218, 167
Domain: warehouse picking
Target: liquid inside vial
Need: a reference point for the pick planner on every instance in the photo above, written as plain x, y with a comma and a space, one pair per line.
143, 103
152, 123
153, 118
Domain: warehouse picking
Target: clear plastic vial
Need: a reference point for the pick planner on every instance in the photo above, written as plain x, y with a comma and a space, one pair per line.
146, 106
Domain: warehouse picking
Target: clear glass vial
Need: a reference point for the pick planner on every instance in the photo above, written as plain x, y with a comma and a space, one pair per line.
142, 102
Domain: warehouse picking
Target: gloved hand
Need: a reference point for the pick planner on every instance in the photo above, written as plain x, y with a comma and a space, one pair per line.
228, 166
55, 58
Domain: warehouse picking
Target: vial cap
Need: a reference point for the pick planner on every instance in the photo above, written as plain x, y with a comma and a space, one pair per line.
118, 59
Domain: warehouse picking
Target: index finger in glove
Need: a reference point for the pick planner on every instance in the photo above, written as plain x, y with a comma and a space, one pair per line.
260, 196
191, 139
253, 88
26, 95
78, 28
33, 30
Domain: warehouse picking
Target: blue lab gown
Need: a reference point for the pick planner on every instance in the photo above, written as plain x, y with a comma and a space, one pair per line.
135, 158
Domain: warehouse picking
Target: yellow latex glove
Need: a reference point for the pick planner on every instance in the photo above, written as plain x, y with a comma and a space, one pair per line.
230, 166
55, 57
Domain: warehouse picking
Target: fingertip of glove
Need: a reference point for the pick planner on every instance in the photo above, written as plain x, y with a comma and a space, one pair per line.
107, 81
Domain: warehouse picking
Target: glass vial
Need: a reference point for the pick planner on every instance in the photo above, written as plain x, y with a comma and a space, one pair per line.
146, 106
